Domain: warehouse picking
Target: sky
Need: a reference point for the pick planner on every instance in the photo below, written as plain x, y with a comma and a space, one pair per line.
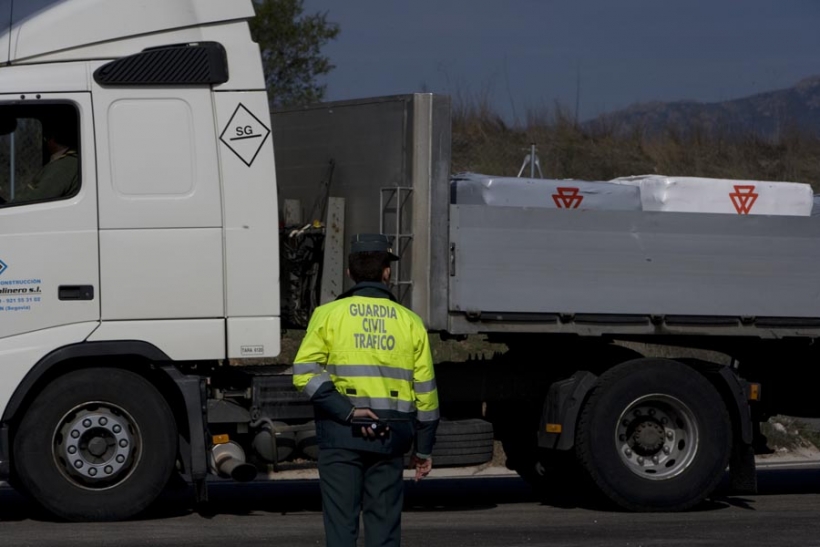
601, 55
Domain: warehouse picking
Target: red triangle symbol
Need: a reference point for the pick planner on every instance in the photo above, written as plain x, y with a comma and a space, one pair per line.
744, 198
567, 198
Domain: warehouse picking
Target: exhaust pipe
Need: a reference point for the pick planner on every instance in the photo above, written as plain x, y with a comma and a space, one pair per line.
228, 460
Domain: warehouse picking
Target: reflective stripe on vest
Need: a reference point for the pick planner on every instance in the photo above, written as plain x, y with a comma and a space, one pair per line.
425, 387
428, 415
307, 368
382, 403
371, 371
316, 382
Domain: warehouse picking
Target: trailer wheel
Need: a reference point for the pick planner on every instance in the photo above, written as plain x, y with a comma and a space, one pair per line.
654, 435
96, 444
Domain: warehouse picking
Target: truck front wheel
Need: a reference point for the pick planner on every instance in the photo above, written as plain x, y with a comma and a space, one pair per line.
96, 444
654, 435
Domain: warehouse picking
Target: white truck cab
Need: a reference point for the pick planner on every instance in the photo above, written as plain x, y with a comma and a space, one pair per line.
170, 236
151, 231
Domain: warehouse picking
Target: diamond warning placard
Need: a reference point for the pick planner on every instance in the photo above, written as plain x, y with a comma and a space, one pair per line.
245, 134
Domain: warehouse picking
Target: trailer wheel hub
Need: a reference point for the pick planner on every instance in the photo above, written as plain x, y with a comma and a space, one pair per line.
95, 445
657, 436
98, 446
648, 438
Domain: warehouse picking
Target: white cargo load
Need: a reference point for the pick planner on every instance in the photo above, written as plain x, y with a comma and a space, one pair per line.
708, 195
477, 189
815, 211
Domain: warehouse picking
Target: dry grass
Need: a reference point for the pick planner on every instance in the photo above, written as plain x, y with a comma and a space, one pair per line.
787, 434
483, 142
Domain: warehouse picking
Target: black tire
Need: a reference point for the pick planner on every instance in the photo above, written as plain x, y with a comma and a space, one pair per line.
518, 420
459, 428
462, 443
485, 451
654, 435
104, 407
470, 443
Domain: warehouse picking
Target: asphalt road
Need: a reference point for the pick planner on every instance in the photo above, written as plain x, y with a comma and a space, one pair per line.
498, 511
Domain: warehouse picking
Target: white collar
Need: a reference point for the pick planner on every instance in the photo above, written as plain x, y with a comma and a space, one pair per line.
59, 153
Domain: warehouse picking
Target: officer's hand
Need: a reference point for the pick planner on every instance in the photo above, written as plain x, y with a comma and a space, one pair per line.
423, 467
367, 413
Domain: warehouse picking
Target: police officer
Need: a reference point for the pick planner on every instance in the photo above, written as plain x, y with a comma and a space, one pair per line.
59, 177
366, 358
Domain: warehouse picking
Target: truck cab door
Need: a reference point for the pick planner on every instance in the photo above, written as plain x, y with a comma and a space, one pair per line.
49, 258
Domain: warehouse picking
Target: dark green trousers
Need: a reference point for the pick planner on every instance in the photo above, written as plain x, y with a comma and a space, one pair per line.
355, 482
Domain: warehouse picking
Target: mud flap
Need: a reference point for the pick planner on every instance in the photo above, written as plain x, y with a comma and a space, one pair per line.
742, 471
563, 403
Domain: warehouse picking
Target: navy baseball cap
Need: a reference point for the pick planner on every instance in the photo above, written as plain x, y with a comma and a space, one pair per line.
362, 243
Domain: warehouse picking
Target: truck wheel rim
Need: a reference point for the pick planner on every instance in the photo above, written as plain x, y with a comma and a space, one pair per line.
96, 445
657, 437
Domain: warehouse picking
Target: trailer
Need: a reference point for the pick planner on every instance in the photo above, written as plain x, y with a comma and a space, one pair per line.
573, 291
195, 226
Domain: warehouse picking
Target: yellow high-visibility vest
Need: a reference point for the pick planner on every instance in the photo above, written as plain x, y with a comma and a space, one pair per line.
374, 351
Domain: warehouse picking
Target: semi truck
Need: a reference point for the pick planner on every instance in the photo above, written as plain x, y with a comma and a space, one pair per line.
199, 226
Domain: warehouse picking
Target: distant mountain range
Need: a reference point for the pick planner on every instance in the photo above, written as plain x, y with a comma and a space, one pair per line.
767, 115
